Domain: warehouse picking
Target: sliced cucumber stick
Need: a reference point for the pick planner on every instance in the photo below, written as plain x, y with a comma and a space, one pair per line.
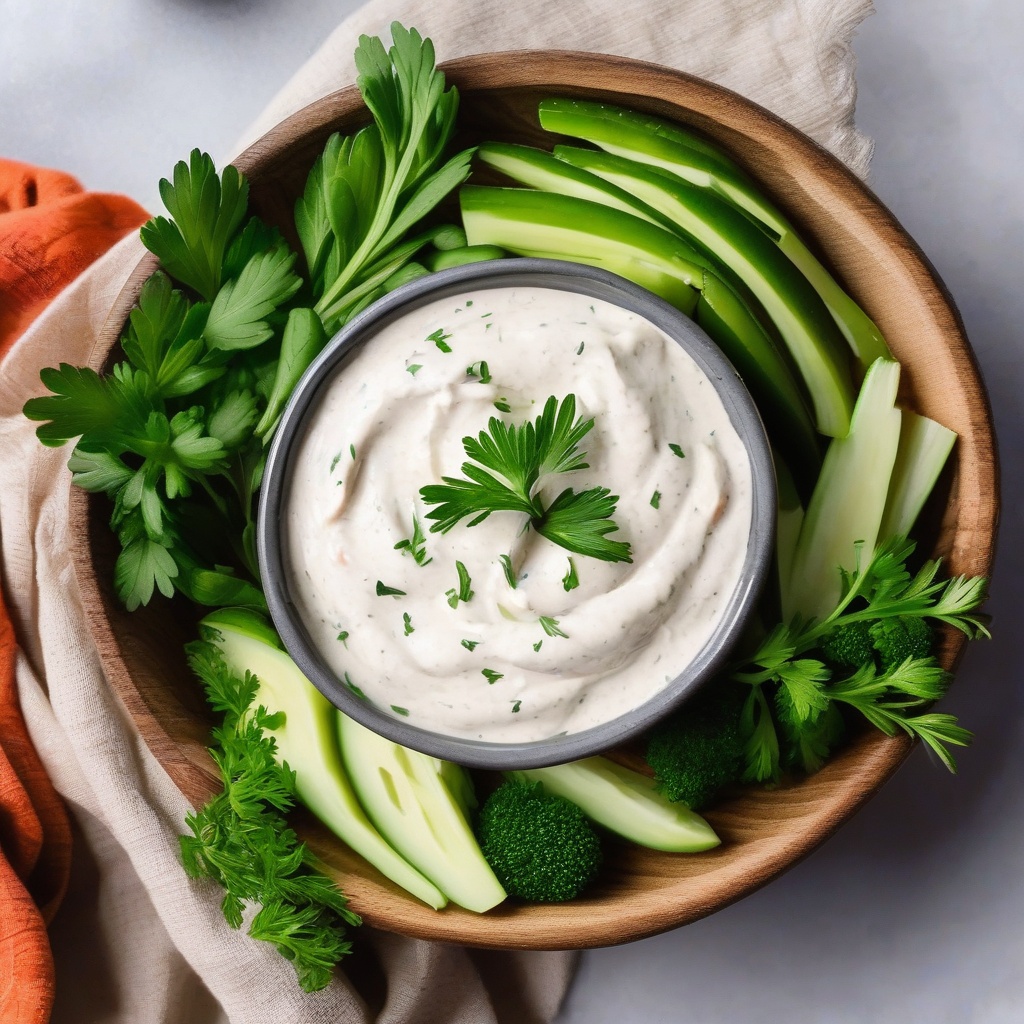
306, 741
627, 803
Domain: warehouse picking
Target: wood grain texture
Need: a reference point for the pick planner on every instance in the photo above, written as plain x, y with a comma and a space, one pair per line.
642, 892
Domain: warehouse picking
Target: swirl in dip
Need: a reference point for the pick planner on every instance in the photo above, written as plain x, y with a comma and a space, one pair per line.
392, 420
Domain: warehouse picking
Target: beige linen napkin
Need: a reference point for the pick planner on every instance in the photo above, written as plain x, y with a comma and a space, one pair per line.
136, 940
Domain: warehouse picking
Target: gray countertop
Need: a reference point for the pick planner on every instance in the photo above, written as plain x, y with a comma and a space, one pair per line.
913, 910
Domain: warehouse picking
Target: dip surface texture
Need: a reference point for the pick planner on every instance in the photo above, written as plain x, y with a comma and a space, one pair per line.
392, 420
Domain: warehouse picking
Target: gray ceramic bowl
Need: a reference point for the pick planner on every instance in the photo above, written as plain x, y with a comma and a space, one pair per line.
594, 283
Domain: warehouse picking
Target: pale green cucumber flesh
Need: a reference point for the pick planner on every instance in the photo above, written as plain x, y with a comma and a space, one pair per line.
801, 317
859, 330
240, 620
923, 450
541, 170
627, 803
542, 224
306, 741
410, 797
684, 155
845, 512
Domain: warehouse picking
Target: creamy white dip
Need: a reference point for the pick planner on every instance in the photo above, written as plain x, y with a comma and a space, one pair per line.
392, 420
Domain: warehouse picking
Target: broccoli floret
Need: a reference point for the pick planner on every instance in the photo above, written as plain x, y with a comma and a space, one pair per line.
898, 639
540, 846
849, 645
699, 749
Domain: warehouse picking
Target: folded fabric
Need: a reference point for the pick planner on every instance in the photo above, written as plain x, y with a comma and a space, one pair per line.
161, 951
51, 229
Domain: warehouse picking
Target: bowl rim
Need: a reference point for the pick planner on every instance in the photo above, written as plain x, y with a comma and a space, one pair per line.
821, 803
519, 272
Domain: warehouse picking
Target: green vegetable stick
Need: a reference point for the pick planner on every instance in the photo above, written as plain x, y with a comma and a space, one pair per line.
685, 155
565, 225
923, 450
794, 307
627, 803
845, 511
306, 741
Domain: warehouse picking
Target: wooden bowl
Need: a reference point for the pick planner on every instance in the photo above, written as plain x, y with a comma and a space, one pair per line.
763, 832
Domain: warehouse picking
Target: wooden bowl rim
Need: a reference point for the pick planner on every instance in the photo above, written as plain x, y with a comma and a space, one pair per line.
866, 766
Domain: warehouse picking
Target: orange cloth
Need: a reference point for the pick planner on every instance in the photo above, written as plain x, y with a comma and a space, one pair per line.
50, 231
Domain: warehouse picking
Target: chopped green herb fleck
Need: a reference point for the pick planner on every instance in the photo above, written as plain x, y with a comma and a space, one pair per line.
677, 451
502, 405
383, 591
579, 351
469, 302
352, 686
343, 637
516, 705
352, 451
537, 645
439, 338
416, 545
484, 316
335, 461
400, 711
491, 676
570, 581
465, 594
592, 310
471, 645
414, 369
407, 621
656, 499
550, 626
480, 370
510, 574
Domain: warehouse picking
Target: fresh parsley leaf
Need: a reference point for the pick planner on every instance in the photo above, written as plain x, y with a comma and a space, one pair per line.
507, 464
241, 839
239, 315
301, 343
480, 370
142, 565
440, 339
206, 210
471, 645
491, 676
343, 637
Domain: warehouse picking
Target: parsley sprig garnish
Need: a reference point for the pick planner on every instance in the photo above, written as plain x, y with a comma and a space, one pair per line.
509, 462
793, 712
242, 840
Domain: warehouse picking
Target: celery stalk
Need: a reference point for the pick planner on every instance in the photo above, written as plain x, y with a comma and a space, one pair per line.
923, 450
845, 512
685, 155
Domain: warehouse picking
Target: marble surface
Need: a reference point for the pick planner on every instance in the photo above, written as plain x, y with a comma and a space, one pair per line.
913, 910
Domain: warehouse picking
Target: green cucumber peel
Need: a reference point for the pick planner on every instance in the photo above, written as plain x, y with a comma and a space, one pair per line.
544, 224
802, 319
674, 150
